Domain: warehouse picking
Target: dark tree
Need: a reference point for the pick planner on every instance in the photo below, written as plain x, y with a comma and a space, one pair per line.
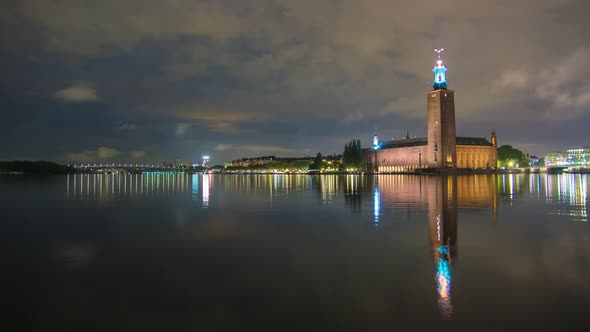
318, 162
35, 167
353, 155
507, 154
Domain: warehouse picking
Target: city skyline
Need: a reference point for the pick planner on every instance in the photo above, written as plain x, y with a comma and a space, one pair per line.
148, 81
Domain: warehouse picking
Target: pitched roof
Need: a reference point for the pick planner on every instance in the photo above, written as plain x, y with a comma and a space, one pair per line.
400, 143
478, 141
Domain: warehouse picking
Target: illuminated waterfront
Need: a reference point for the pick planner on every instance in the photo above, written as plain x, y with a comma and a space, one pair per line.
205, 251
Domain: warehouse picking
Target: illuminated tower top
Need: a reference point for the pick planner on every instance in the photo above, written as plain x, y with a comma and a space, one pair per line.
440, 79
494, 137
376, 143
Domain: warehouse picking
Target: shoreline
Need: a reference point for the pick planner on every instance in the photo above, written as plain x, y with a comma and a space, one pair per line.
442, 171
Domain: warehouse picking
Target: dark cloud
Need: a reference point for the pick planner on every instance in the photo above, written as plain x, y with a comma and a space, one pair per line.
125, 126
232, 78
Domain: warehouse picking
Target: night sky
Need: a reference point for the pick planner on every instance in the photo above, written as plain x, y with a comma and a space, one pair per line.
153, 80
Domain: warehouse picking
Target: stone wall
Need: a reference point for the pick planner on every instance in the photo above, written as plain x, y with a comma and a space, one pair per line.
474, 156
403, 159
407, 159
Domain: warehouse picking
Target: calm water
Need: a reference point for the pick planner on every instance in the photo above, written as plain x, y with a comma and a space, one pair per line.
274, 252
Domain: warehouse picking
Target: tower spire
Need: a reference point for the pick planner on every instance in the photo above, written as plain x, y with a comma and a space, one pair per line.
439, 51
376, 143
494, 139
440, 80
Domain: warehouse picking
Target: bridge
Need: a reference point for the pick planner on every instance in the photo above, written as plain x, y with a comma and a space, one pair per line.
581, 166
568, 163
134, 167
556, 169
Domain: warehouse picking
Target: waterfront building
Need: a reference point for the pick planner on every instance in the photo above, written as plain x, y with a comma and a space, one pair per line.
441, 148
571, 157
249, 162
205, 161
263, 160
177, 164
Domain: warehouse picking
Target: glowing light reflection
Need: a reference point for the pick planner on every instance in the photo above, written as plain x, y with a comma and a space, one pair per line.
195, 187
443, 282
205, 192
376, 204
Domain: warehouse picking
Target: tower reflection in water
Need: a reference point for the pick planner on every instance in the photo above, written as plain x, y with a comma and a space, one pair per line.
442, 220
441, 196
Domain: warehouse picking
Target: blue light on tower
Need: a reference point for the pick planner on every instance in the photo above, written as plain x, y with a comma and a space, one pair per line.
440, 78
376, 143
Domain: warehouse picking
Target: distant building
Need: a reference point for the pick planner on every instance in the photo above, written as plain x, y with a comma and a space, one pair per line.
205, 162
571, 157
534, 161
263, 160
441, 148
177, 164
247, 162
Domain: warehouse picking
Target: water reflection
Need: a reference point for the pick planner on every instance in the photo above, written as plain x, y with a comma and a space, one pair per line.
562, 194
354, 185
387, 243
440, 197
442, 216
206, 189
381, 200
376, 204
126, 186
195, 187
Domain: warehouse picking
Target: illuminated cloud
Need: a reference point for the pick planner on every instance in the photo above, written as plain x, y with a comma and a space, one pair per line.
266, 149
224, 127
566, 87
353, 117
248, 67
222, 120
222, 147
77, 94
137, 154
410, 108
221, 114
103, 153
512, 79
182, 128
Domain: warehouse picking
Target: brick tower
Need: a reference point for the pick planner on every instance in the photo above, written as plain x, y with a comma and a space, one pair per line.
442, 137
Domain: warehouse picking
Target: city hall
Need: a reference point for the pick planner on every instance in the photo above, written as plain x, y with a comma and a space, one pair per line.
442, 148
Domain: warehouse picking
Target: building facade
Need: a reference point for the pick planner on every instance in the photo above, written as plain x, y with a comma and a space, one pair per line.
571, 157
441, 148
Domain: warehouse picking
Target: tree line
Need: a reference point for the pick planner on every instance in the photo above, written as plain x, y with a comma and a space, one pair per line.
352, 157
511, 157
